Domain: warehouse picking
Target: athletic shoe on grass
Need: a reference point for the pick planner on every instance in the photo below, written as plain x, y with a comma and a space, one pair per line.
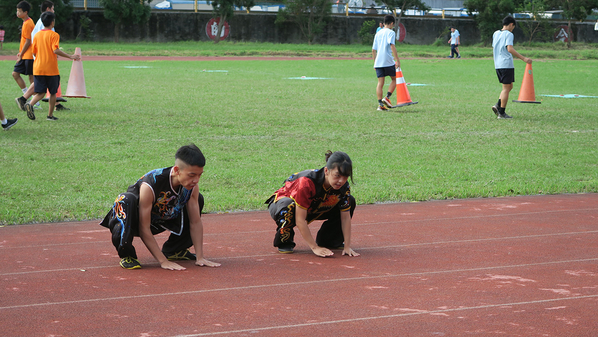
130, 263
30, 113
182, 255
504, 116
51, 118
386, 102
9, 123
21, 101
495, 109
382, 108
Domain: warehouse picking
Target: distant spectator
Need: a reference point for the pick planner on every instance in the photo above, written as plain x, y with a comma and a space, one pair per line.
2, 37
454, 41
380, 26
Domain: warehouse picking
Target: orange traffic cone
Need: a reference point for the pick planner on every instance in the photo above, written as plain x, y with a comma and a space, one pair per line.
58, 96
527, 93
76, 84
403, 97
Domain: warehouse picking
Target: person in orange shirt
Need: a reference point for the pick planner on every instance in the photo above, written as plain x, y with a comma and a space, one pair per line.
24, 63
45, 68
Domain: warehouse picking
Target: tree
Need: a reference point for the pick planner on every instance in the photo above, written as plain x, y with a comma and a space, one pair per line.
224, 9
488, 14
577, 10
310, 15
538, 25
62, 8
130, 11
403, 5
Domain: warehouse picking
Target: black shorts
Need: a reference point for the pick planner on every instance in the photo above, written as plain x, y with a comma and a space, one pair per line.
506, 75
386, 71
24, 67
46, 83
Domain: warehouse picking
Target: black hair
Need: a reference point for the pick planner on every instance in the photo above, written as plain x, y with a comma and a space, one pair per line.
191, 155
388, 19
47, 18
1, 27
24, 6
46, 5
508, 20
341, 161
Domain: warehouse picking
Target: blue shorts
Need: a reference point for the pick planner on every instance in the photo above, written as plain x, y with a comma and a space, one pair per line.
46, 83
386, 71
506, 75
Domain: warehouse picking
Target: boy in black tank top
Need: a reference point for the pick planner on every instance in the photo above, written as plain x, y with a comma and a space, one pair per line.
163, 199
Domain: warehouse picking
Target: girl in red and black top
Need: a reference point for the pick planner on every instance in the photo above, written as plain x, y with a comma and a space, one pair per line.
321, 194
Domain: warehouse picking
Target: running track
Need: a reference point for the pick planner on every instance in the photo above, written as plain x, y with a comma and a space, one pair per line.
516, 266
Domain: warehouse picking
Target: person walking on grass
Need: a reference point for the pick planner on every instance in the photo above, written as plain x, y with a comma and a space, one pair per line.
46, 6
45, 68
503, 51
309, 195
24, 65
454, 41
386, 61
165, 199
6, 123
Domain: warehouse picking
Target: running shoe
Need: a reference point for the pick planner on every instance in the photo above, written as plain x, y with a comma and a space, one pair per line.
386, 102
21, 101
51, 118
9, 123
382, 108
285, 250
130, 263
495, 109
30, 113
182, 255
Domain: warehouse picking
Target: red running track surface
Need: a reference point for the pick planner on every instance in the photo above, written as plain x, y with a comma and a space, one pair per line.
516, 266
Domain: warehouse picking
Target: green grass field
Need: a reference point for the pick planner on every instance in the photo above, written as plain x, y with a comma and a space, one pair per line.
256, 127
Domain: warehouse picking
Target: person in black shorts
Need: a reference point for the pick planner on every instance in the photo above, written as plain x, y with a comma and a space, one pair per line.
503, 51
165, 199
24, 65
386, 61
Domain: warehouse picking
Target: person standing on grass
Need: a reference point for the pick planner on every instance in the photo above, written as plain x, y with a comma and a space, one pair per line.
386, 61
322, 194
24, 65
6, 123
46, 6
2, 32
45, 68
503, 51
163, 199
454, 41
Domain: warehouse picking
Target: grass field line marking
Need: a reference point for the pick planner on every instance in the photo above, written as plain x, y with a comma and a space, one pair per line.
299, 283
477, 216
423, 312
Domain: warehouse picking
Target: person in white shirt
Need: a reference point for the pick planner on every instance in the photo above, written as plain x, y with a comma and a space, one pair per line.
454, 41
503, 51
386, 61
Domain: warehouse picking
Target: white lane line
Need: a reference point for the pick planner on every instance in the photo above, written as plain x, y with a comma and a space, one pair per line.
300, 283
422, 312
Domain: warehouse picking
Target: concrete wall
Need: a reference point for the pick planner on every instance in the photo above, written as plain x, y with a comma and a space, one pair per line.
166, 26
